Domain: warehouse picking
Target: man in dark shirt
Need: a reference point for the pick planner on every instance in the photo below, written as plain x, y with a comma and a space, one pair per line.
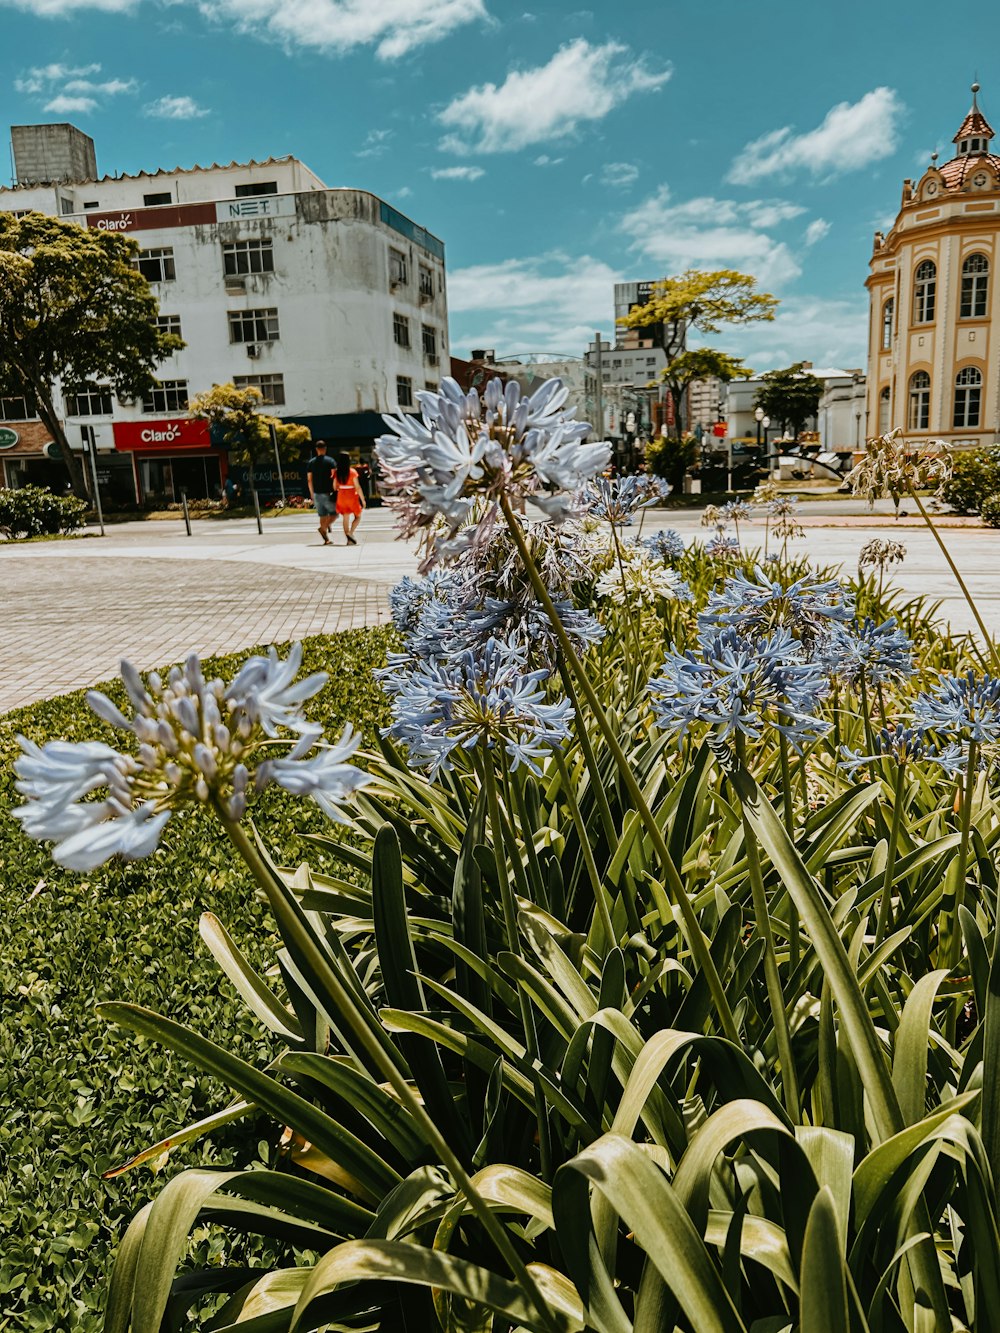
320, 472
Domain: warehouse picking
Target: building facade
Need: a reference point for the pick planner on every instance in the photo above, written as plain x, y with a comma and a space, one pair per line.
331, 302
934, 313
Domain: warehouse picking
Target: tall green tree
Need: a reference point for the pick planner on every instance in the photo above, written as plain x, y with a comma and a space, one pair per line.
73, 308
790, 397
703, 300
700, 363
242, 428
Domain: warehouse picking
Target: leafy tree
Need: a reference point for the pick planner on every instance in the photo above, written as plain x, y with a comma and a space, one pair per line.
670, 457
699, 363
73, 308
790, 397
702, 300
241, 427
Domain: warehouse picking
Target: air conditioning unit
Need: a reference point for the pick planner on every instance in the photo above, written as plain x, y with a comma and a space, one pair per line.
425, 296
253, 351
431, 358
236, 286
126, 401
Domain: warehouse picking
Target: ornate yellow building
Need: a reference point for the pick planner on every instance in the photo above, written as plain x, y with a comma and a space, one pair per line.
934, 318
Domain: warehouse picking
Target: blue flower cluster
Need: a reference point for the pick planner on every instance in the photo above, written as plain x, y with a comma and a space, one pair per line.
666, 545
197, 741
879, 653
617, 500
961, 712
446, 471
485, 697
759, 605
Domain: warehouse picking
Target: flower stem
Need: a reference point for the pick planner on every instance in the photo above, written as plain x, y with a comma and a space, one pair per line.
693, 933
987, 637
286, 916
600, 900
890, 860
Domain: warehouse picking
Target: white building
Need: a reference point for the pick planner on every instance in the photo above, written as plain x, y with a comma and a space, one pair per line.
331, 301
839, 421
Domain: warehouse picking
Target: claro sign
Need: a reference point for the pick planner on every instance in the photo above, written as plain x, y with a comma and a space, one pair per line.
165, 437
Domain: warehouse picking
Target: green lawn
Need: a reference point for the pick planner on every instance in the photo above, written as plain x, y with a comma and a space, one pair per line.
78, 1097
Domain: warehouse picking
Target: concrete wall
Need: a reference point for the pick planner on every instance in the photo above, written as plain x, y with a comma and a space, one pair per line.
52, 153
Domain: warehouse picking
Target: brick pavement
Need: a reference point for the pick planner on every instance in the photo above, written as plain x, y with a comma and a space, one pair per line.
67, 619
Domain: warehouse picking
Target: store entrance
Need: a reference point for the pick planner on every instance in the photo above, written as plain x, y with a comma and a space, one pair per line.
163, 479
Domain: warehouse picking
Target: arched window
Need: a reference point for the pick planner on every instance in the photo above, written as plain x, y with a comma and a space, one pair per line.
925, 284
968, 398
920, 400
888, 313
883, 411
975, 287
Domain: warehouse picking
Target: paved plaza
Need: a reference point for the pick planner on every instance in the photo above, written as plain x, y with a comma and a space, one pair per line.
149, 592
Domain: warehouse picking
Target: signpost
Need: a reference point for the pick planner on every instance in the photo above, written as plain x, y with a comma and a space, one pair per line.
90, 445
277, 462
8, 437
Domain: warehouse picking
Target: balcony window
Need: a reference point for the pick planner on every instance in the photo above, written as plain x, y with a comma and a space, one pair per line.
429, 338
251, 256
253, 326
968, 398
920, 400
272, 387
167, 396
888, 315
404, 391
400, 330
426, 284
398, 276
884, 400
156, 265
975, 287
924, 289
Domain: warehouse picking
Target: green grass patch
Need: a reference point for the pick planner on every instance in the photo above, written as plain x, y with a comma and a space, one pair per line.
77, 1096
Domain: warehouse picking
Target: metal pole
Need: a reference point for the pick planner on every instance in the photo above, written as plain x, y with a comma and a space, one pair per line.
599, 390
184, 506
256, 502
92, 450
729, 465
277, 461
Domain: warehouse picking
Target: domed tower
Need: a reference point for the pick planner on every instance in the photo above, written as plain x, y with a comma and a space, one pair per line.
934, 316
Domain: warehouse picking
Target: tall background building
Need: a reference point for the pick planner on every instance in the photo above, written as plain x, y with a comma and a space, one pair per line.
934, 318
332, 302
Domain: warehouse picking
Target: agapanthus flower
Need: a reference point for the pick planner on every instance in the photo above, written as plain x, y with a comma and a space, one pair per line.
667, 545
634, 576
617, 500
899, 743
891, 466
964, 709
783, 518
714, 517
759, 605
195, 741
881, 553
764, 493
879, 653
738, 511
484, 698
739, 684
723, 548
446, 472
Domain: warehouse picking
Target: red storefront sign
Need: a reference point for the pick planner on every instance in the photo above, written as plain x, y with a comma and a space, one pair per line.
173, 436
720, 429
145, 219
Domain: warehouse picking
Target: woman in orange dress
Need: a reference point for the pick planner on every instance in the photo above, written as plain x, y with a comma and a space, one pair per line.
350, 496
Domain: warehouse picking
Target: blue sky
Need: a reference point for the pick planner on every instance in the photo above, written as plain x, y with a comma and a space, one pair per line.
554, 149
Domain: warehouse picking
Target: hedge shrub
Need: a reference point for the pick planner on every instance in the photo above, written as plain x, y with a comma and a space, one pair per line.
975, 476
75, 1097
33, 511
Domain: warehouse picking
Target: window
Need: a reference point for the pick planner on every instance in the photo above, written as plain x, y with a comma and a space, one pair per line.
429, 337
154, 200
92, 203
920, 400
66, 205
888, 313
397, 268
426, 284
400, 330
88, 400
255, 188
404, 391
883, 411
168, 324
156, 265
271, 386
15, 408
975, 287
167, 396
650, 360
252, 256
925, 282
968, 396
253, 326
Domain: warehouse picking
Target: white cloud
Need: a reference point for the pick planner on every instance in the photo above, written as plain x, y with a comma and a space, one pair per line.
851, 136
393, 27
713, 233
67, 106
376, 143
806, 328
815, 232
41, 77
175, 108
109, 88
457, 173
580, 83
546, 303
47, 9
619, 175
